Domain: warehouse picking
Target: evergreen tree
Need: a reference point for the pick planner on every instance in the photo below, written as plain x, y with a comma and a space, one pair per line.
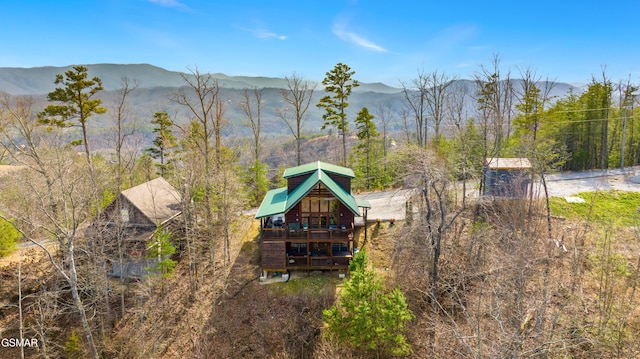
367, 316
255, 178
77, 103
162, 249
598, 98
338, 82
565, 125
580, 125
8, 237
368, 148
463, 152
72, 346
163, 142
527, 122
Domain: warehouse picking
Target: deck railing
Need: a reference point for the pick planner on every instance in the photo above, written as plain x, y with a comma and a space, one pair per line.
306, 234
312, 258
318, 262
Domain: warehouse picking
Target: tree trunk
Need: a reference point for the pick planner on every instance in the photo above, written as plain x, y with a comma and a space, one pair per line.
77, 301
344, 144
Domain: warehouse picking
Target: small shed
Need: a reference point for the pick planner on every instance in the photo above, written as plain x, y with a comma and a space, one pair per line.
506, 177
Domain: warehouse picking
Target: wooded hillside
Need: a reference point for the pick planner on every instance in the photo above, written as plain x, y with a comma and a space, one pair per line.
479, 276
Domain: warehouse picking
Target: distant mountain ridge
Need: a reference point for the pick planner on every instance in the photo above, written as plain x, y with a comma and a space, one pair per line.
39, 80
157, 85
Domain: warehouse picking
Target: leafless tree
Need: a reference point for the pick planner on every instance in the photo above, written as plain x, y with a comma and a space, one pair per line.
427, 100
437, 96
533, 97
53, 197
384, 113
204, 104
437, 216
251, 106
415, 95
495, 96
125, 129
406, 126
298, 95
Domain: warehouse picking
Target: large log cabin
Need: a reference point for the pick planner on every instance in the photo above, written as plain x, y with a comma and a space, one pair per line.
309, 224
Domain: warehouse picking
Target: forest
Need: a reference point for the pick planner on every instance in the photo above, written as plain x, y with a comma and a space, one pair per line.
462, 276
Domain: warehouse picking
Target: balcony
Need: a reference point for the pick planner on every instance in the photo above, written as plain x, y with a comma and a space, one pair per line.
293, 233
292, 248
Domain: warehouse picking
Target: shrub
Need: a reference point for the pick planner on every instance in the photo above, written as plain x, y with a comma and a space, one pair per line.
9, 236
367, 317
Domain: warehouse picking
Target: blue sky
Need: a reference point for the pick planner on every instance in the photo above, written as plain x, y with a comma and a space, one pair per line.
383, 41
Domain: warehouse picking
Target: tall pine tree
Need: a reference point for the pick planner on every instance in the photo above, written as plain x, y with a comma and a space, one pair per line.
339, 83
163, 142
368, 149
76, 103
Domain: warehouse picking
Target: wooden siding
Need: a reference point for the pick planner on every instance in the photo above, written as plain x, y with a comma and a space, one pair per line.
113, 213
293, 215
344, 182
294, 182
345, 216
274, 256
135, 216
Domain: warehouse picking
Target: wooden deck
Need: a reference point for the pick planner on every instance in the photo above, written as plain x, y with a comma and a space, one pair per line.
312, 249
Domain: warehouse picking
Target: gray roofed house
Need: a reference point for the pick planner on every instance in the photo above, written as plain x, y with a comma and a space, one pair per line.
155, 202
132, 219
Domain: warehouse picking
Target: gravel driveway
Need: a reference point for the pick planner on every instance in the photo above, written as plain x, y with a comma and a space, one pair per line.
570, 183
391, 204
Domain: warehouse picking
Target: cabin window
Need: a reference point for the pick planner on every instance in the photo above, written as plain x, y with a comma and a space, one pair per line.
315, 205
314, 222
124, 215
319, 209
318, 249
298, 249
324, 205
338, 249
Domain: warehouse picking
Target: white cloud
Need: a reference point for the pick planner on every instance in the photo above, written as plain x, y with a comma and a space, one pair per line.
260, 31
169, 3
264, 34
340, 30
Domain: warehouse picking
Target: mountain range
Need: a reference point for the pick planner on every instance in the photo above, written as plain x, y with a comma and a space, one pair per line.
39, 80
156, 85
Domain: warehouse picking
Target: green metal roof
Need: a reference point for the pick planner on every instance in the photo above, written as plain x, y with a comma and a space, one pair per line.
363, 203
321, 177
274, 202
278, 201
315, 166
